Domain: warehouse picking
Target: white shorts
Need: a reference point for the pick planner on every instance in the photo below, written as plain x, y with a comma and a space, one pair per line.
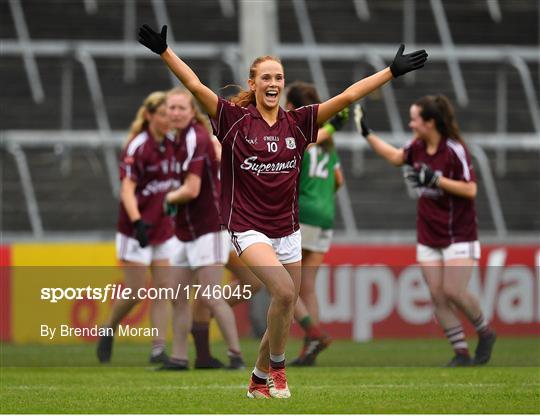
129, 249
288, 249
315, 238
465, 250
207, 250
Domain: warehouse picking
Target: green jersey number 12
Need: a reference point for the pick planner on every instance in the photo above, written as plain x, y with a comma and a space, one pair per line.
318, 168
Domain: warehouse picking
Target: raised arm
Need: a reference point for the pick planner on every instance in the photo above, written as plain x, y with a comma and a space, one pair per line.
400, 65
157, 43
391, 154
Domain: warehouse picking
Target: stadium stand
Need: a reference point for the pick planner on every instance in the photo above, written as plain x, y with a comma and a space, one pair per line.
68, 181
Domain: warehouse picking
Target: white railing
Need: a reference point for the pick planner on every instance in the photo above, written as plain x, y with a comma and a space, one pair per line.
16, 141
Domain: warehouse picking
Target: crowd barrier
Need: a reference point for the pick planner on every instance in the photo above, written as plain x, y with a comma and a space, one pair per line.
365, 292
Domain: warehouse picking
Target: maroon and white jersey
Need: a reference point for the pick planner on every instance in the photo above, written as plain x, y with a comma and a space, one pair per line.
150, 165
443, 219
260, 165
195, 154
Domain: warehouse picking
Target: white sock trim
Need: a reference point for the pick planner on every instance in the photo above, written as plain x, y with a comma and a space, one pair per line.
277, 358
260, 374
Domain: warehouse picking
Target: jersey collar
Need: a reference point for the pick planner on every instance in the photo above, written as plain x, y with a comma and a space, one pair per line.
155, 145
255, 113
440, 146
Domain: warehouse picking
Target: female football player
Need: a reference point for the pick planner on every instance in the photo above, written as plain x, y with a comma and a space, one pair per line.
145, 234
448, 246
204, 247
262, 150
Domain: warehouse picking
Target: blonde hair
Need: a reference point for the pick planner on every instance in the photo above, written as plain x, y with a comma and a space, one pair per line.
199, 116
150, 104
246, 97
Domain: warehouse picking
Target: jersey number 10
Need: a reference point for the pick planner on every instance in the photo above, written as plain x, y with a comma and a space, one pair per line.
272, 147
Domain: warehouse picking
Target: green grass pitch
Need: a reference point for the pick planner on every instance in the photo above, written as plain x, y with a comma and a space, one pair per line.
386, 376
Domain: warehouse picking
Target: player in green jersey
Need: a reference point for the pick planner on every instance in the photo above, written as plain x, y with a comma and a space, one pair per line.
320, 177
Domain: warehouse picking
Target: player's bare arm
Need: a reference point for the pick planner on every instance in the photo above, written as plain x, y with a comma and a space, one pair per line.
400, 66
189, 190
157, 43
322, 136
355, 92
127, 196
340, 179
390, 153
217, 147
336, 123
458, 188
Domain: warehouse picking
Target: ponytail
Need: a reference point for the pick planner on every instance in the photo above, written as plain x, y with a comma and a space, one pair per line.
149, 106
247, 97
439, 109
244, 98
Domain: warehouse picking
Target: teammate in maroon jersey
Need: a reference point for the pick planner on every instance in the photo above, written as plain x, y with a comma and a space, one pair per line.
203, 247
145, 234
448, 246
260, 163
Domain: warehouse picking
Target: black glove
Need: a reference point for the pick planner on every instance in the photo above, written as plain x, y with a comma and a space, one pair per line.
360, 121
337, 122
422, 175
140, 232
156, 42
406, 63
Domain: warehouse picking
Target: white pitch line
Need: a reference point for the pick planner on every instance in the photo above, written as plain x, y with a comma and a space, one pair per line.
313, 387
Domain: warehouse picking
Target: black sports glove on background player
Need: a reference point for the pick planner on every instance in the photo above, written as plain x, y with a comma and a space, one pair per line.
360, 121
156, 42
407, 63
140, 232
422, 175
337, 122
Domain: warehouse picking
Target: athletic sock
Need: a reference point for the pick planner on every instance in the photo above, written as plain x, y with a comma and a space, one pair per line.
158, 346
456, 336
200, 333
481, 326
233, 353
179, 361
258, 376
311, 330
277, 361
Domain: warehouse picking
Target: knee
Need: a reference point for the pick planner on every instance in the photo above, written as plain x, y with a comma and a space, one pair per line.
453, 294
210, 302
439, 299
306, 290
181, 302
285, 295
163, 284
